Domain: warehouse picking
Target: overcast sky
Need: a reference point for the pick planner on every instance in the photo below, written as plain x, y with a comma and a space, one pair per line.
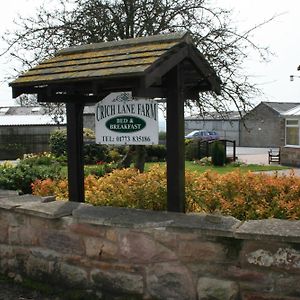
281, 35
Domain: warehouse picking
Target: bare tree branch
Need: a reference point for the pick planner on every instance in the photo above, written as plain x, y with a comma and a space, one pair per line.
75, 22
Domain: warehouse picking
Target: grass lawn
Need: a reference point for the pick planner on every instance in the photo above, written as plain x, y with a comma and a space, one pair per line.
229, 168
191, 166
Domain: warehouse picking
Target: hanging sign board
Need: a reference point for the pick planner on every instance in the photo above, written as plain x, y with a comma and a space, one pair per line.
122, 120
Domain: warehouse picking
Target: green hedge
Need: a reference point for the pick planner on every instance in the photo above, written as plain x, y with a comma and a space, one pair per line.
218, 155
21, 176
92, 152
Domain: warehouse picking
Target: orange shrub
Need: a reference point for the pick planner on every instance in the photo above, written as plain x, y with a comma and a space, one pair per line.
49, 187
128, 188
250, 195
244, 196
43, 187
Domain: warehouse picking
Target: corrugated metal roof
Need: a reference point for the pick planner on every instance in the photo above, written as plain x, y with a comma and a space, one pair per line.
25, 110
34, 110
228, 115
27, 120
3, 110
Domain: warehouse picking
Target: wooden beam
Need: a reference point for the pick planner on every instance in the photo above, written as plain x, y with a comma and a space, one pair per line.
65, 98
151, 92
18, 91
164, 65
75, 151
175, 141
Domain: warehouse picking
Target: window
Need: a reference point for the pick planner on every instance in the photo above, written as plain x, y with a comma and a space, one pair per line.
292, 132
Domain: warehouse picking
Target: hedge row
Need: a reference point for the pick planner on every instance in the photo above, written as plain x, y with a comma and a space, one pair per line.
244, 196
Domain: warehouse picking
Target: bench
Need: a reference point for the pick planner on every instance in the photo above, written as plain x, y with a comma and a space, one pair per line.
274, 156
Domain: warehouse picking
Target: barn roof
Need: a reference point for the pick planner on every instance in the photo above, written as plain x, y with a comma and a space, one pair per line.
294, 112
27, 115
216, 116
34, 110
281, 107
32, 120
127, 64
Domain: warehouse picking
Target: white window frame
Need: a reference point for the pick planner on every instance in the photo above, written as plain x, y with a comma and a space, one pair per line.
292, 126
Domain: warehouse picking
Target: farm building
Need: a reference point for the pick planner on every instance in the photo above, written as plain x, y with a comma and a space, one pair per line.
264, 126
27, 129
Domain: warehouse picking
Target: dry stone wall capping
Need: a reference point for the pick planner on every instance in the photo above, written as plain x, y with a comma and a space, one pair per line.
122, 253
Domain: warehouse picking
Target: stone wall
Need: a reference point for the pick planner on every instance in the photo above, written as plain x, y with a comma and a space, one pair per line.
290, 156
120, 253
262, 127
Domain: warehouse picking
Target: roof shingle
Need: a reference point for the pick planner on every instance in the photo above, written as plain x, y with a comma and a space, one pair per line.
149, 58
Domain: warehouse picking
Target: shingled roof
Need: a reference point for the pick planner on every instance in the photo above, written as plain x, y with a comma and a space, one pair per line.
125, 64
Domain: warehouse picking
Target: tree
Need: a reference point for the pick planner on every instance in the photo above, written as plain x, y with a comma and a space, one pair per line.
76, 22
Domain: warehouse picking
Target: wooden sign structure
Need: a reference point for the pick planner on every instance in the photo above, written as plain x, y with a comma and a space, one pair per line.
163, 66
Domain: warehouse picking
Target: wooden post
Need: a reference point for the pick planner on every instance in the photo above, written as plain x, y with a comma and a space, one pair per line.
75, 151
175, 141
207, 148
234, 151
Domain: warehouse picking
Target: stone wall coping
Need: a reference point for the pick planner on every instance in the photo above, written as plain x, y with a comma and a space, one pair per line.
207, 224
138, 218
11, 202
218, 225
49, 210
271, 229
8, 193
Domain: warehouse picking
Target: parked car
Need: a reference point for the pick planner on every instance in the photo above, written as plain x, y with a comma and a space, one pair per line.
199, 135
213, 135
